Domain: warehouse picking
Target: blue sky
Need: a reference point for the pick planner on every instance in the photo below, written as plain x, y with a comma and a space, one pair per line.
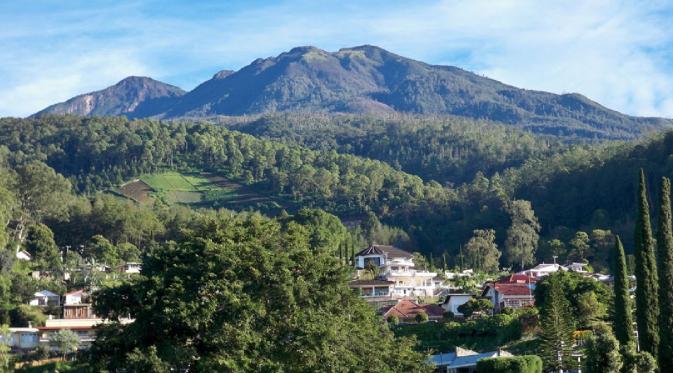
619, 53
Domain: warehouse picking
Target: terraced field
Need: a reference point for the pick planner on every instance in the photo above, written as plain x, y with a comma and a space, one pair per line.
197, 190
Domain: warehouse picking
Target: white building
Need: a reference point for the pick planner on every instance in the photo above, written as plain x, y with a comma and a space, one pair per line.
397, 266
544, 269
45, 298
453, 301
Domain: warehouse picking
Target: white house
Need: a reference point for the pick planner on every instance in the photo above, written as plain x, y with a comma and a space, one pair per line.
74, 297
397, 266
453, 301
45, 298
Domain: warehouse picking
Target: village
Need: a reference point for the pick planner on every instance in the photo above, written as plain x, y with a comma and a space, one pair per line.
384, 276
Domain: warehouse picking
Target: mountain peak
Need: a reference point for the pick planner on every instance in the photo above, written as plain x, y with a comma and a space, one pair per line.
131, 94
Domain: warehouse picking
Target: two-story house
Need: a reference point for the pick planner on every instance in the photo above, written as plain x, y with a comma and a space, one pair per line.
397, 266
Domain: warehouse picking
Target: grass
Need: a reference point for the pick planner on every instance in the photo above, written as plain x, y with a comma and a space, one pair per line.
200, 190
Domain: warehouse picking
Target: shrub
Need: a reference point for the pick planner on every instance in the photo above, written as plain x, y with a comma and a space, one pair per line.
449, 316
421, 317
514, 364
393, 319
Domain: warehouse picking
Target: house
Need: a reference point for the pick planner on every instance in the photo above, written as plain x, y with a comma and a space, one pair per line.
455, 275
45, 298
77, 306
508, 294
23, 338
453, 301
84, 328
462, 360
397, 266
406, 310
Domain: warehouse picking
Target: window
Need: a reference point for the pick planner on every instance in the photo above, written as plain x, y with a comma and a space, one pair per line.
376, 262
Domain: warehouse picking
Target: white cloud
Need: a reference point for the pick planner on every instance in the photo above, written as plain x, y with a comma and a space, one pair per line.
615, 52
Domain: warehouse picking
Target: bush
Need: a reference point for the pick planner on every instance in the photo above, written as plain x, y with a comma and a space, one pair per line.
393, 320
514, 364
421, 317
449, 316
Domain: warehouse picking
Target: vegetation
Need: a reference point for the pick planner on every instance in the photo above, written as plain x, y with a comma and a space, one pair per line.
516, 364
665, 273
557, 327
623, 319
245, 293
647, 299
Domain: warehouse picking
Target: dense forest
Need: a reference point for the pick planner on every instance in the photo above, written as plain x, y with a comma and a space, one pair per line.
445, 149
571, 188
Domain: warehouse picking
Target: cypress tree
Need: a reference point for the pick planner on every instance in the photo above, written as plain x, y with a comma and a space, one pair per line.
623, 320
665, 272
647, 303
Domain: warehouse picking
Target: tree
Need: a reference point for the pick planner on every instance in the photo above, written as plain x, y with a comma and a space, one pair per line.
665, 273
6, 365
66, 341
553, 249
41, 192
637, 362
40, 244
421, 317
647, 302
557, 328
579, 246
513, 364
623, 319
244, 293
475, 305
522, 235
481, 251
602, 351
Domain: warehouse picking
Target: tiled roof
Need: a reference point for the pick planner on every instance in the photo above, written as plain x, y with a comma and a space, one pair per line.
518, 278
390, 251
513, 289
407, 309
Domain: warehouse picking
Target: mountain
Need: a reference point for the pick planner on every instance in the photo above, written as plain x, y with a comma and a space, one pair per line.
370, 80
133, 96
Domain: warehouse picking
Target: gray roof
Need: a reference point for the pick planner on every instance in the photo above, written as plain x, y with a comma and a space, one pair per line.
453, 360
387, 250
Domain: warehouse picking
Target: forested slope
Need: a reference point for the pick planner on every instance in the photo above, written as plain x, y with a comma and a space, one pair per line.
571, 188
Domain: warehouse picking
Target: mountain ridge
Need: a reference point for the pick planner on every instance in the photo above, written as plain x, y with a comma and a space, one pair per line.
371, 80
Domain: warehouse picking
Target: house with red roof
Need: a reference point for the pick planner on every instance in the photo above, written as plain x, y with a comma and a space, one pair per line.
509, 294
406, 310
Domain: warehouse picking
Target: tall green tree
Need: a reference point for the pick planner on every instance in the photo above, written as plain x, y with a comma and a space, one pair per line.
623, 319
665, 273
647, 301
481, 251
522, 235
557, 328
40, 244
